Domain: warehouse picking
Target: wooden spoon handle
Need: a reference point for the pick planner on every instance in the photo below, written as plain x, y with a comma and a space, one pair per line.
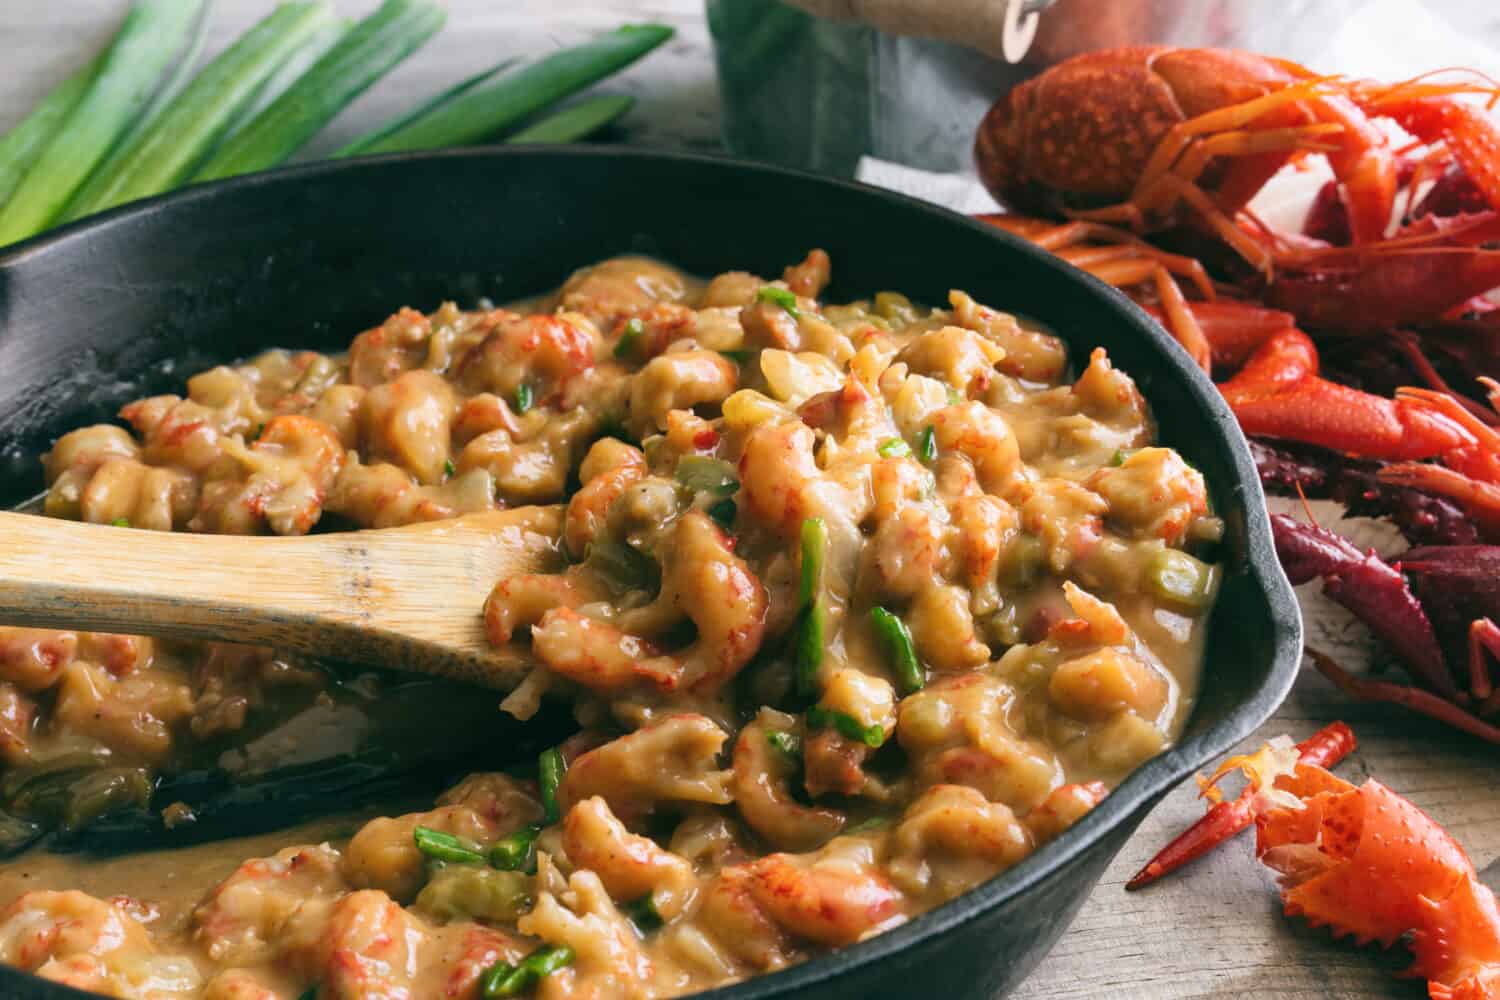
407, 597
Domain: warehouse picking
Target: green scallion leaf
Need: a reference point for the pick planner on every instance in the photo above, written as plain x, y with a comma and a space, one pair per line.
624, 567
814, 549
550, 770
311, 993
491, 108
899, 647
547, 960
523, 397
713, 476
573, 123
168, 149
22, 145
497, 981
807, 650
446, 847
629, 337
779, 297
364, 142
116, 96
927, 445
894, 448
644, 914
740, 358
370, 49
1118, 458
786, 744
505, 980
847, 725
866, 825
516, 851
723, 512
120, 522
449, 468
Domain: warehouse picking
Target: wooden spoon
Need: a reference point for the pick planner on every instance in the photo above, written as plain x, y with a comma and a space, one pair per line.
410, 598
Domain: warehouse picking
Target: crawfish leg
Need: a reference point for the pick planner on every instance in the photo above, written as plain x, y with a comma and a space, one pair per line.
1416, 699
1480, 500
1169, 188
1484, 642
1224, 820
1467, 130
1237, 116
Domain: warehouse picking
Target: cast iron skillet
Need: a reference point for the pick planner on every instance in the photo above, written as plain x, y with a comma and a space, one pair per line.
105, 311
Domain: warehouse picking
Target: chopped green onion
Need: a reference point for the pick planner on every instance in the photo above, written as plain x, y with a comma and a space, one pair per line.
644, 914
1023, 562
463, 892
446, 847
812, 620
515, 852
740, 358
497, 978
372, 48
814, 549
22, 145
120, 522
311, 993
847, 725
808, 648
927, 445
896, 638
785, 743
523, 397
954, 396
153, 32
260, 429
866, 825
551, 767
779, 297
506, 980
624, 567
707, 475
894, 448
367, 140
1118, 458
486, 110
449, 468
723, 513
1180, 579
574, 123
896, 308
629, 337
165, 153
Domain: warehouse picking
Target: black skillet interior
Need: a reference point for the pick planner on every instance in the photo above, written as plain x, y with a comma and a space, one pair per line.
106, 311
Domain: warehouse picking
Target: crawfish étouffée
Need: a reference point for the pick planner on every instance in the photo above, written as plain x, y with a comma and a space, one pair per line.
862, 603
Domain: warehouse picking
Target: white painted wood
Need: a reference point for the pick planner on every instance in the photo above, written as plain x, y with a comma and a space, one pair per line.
1215, 931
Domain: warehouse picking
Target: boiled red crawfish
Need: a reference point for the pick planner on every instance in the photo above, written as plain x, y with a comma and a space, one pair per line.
1439, 443
1153, 138
1367, 863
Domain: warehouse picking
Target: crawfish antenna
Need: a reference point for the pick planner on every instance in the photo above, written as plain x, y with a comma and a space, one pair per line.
1306, 507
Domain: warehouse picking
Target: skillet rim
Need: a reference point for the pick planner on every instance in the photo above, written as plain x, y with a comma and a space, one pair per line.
1141, 789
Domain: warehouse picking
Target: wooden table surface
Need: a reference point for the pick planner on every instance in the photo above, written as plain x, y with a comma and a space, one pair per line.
1214, 932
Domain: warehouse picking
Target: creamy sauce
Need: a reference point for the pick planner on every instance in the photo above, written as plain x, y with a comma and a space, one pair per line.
864, 603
